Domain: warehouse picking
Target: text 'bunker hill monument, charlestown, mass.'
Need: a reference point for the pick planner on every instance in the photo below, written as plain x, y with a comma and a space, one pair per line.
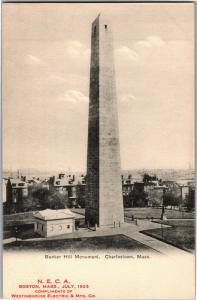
104, 202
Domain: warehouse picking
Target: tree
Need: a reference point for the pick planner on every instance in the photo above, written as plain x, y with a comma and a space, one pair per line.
170, 199
42, 198
81, 195
138, 198
147, 178
56, 201
127, 201
190, 199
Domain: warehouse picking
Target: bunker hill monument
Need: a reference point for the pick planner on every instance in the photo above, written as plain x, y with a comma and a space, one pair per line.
104, 202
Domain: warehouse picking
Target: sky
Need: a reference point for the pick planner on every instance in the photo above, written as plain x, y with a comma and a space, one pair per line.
46, 63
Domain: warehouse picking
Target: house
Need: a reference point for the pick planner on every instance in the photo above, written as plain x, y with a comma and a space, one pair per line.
59, 183
66, 185
127, 185
173, 187
16, 192
51, 222
154, 191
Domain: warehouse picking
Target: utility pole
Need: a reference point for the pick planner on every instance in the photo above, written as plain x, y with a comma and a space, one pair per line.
163, 188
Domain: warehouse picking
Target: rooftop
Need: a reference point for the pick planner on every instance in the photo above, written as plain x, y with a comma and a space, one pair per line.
17, 183
51, 214
59, 214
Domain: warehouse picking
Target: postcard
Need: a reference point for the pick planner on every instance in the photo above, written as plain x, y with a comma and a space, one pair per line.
98, 150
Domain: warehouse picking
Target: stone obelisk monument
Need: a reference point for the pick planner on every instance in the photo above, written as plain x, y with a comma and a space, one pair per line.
104, 201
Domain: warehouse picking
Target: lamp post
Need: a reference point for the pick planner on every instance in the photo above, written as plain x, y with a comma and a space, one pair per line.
181, 200
163, 188
16, 232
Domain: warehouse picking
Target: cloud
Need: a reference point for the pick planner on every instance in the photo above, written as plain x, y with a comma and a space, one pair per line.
134, 53
74, 43
56, 78
150, 41
129, 98
71, 79
74, 96
75, 49
56, 84
127, 52
155, 55
32, 59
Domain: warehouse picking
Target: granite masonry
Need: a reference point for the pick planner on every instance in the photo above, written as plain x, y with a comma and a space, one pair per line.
104, 202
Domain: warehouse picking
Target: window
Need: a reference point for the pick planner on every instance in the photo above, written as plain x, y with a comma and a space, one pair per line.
95, 30
42, 227
13, 184
68, 226
21, 184
58, 182
105, 27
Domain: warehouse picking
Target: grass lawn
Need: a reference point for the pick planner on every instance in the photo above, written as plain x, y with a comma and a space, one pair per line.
113, 242
25, 231
138, 212
18, 219
148, 212
181, 234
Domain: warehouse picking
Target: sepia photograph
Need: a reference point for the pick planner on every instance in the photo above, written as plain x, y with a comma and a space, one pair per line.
98, 149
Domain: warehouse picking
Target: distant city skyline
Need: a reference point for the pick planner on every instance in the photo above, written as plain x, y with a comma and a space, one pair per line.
46, 62
37, 172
